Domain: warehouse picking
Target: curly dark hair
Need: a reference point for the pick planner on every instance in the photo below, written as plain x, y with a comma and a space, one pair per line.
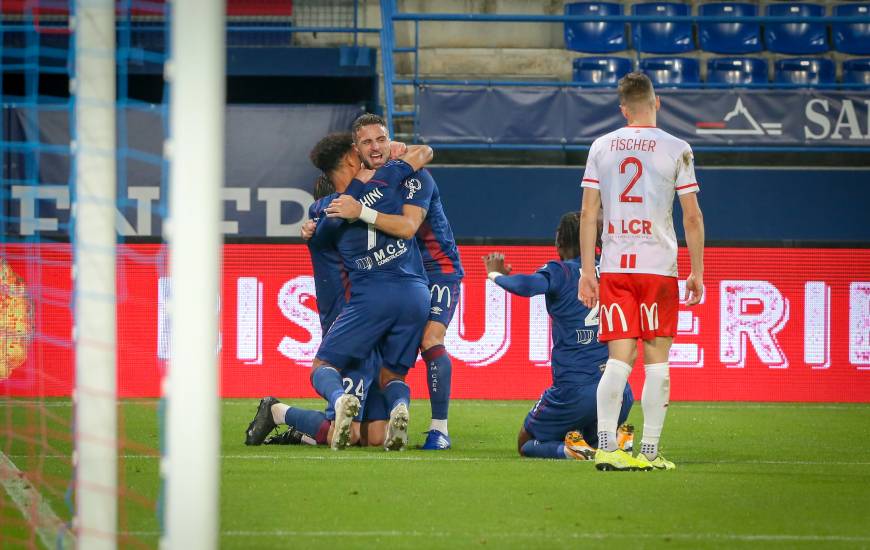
366, 119
326, 156
568, 235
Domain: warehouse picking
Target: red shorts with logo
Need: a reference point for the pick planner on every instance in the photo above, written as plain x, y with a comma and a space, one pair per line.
637, 305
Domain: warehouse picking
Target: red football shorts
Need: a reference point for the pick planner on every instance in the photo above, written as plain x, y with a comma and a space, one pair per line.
637, 305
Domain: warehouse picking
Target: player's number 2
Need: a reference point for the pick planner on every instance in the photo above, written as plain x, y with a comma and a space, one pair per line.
625, 197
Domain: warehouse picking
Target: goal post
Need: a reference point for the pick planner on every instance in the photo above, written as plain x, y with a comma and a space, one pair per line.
195, 147
95, 397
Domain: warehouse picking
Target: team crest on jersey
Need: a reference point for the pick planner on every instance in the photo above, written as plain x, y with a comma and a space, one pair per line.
414, 185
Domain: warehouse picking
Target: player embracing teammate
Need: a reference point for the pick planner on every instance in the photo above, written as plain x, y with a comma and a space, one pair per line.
634, 173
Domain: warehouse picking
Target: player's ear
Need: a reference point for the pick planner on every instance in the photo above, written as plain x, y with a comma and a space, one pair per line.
658, 103
624, 110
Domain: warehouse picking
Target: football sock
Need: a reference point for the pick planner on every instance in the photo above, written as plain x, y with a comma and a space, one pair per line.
544, 449
327, 383
609, 401
654, 401
440, 425
396, 392
306, 421
438, 374
278, 411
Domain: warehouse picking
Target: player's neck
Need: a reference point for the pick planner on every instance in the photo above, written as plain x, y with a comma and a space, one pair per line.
646, 118
342, 177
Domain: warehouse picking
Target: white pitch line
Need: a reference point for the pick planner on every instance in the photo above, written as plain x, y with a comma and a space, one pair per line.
536, 535
33, 507
428, 458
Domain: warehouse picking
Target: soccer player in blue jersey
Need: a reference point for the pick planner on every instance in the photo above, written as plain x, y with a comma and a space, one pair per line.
441, 260
563, 423
332, 155
388, 301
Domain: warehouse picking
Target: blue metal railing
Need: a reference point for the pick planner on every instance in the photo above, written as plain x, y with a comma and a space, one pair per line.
391, 16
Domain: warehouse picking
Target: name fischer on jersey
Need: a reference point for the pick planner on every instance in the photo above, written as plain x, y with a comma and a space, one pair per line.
636, 144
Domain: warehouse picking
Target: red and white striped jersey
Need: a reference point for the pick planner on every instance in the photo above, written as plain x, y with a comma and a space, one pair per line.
638, 169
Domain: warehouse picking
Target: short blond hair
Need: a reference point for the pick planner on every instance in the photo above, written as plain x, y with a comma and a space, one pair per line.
636, 90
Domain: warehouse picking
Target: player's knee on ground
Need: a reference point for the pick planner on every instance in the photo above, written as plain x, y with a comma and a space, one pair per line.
373, 433
522, 438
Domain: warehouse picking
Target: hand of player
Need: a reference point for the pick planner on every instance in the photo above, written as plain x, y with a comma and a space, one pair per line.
345, 207
397, 149
307, 230
587, 290
495, 262
694, 289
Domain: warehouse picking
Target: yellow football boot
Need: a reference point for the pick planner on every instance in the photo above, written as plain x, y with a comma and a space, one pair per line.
618, 460
577, 448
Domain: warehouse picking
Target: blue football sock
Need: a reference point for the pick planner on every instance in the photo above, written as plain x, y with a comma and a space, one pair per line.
306, 421
396, 392
438, 374
327, 382
544, 449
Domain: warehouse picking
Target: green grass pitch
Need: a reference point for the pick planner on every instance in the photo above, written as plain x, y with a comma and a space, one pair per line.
748, 475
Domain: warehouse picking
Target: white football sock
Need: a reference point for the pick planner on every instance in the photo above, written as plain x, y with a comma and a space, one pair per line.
654, 401
438, 424
278, 411
609, 397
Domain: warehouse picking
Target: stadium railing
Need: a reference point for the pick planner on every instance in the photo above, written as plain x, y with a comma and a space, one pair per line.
390, 15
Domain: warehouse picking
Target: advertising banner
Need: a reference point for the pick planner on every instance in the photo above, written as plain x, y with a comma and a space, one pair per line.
572, 116
775, 325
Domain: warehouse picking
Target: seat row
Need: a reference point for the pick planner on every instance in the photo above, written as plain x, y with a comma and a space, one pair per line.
726, 71
723, 38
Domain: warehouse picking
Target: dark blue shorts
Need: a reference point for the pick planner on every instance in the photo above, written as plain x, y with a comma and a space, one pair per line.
387, 317
569, 408
376, 405
443, 297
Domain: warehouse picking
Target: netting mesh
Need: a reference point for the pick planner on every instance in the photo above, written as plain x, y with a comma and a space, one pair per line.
37, 250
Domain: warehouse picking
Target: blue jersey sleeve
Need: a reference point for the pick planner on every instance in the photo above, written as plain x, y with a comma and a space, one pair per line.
392, 173
556, 274
418, 189
524, 285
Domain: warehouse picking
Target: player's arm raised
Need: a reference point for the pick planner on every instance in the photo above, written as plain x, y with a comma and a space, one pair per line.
418, 156
588, 287
693, 224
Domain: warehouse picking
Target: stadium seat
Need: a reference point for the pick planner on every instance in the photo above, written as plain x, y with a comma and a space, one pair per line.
852, 38
796, 38
662, 37
856, 71
594, 37
806, 71
737, 70
667, 71
729, 38
600, 70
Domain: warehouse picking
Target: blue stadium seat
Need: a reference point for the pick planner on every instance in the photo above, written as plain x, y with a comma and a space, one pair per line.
856, 71
595, 37
796, 38
600, 70
852, 38
664, 37
665, 71
729, 38
737, 70
807, 71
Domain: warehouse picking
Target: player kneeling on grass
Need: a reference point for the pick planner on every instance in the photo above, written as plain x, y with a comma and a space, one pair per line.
563, 423
313, 427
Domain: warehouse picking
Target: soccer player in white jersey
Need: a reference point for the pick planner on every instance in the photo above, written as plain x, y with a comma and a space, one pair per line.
634, 173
